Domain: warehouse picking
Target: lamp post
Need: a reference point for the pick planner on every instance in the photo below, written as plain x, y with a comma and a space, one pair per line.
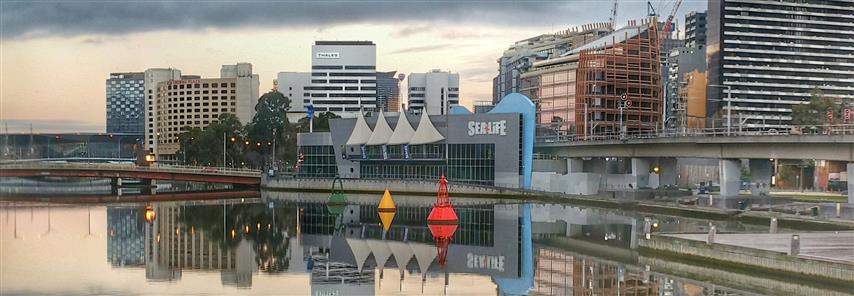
728, 106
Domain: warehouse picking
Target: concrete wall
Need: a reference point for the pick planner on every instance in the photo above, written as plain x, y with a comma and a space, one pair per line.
366, 185
748, 256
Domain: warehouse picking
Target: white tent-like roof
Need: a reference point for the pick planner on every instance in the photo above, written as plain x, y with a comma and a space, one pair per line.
426, 132
380, 250
402, 253
424, 254
360, 250
361, 132
382, 132
403, 132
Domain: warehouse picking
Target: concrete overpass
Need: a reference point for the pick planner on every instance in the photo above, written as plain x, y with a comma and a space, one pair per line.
131, 171
728, 149
826, 147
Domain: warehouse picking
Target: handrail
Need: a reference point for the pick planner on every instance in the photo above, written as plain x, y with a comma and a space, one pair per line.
832, 129
133, 167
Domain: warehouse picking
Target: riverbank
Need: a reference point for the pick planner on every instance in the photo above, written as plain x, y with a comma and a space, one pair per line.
428, 188
762, 253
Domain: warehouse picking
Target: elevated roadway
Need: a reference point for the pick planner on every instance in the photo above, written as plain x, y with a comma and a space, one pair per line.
825, 147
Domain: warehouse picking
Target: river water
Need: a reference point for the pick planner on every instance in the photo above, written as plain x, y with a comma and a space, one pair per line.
276, 243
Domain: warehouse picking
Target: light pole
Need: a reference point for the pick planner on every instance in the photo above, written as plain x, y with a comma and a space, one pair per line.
728, 106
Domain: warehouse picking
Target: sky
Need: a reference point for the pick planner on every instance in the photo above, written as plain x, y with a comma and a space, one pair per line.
56, 56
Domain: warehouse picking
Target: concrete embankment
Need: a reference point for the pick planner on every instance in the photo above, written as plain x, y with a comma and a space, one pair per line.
429, 188
748, 259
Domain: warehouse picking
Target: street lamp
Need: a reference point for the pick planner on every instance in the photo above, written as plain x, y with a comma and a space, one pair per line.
728, 106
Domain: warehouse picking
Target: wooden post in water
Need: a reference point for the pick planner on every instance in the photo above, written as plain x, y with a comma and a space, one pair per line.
838, 210
795, 245
713, 230
773, 228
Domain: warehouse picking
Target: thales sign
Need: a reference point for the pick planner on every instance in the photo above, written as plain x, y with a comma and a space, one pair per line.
328, 55
488, 128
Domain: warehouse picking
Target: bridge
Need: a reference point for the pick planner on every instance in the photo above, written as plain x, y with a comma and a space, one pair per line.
831, 142
131, 171
826, 147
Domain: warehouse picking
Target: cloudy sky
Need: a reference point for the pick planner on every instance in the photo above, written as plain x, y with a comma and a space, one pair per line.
55, 56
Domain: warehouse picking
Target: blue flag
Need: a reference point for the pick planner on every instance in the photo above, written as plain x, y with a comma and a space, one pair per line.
309, 109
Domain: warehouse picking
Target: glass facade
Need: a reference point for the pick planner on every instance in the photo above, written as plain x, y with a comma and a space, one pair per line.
317, 161
467, 163
125, 97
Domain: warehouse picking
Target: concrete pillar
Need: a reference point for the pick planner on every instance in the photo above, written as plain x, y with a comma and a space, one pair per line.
595, 165
730, 177
148, 186
640, 172
761, 171
667, 171
574, 165
850, 170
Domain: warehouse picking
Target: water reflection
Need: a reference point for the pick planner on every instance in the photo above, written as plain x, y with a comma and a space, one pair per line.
301, 244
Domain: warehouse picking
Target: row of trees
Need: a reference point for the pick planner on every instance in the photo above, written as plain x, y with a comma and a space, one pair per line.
269, 139
815, 113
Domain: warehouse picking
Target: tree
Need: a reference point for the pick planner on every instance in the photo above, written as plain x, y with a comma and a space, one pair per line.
815, 113
204, 147
269, 125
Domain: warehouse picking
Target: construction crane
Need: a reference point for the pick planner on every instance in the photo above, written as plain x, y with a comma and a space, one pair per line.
650, 11
614, 16
669, 23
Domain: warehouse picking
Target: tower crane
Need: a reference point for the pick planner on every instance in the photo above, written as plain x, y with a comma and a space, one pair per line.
669, 23
614, 16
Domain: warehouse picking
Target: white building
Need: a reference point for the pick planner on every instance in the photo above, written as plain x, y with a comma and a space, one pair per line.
152, 78
295, 86
247, 85
175, 103
343, 76
434, 91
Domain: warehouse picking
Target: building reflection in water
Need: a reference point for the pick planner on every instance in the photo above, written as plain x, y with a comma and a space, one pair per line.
344, 256
126, 241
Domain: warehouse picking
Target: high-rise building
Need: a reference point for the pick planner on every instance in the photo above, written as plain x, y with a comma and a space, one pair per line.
433, 92
191, 102
580, 92
125, 103
152, 78
343, 76
520, 57
295, 85
695, 29
680, 62
388, 91
773, 54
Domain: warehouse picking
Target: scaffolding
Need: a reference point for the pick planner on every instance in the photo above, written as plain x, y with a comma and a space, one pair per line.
629, 66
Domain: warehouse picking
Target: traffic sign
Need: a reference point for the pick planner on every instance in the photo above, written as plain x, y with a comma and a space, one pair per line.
830, 115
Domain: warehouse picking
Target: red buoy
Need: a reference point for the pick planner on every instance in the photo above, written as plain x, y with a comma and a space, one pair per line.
443, 221
443, 212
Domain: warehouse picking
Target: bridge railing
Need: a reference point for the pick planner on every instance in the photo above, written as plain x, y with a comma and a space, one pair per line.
134, 167
834, 129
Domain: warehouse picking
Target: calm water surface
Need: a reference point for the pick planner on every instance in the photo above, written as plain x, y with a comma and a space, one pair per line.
300, 244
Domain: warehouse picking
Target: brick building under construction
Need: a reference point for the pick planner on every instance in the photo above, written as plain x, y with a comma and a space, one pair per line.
580, 92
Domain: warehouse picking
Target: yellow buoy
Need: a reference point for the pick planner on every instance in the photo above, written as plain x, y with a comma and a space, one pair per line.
387, 209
